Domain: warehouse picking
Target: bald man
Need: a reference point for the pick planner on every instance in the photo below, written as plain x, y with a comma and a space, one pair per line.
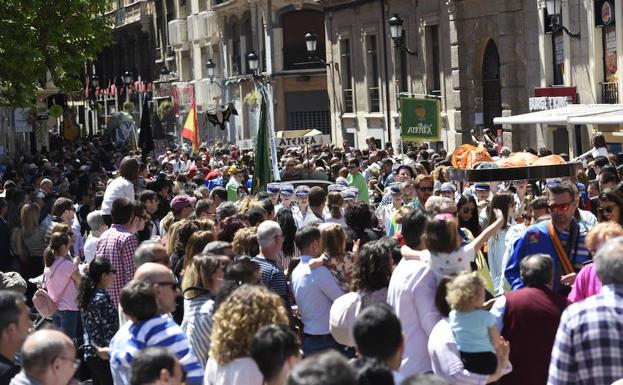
48, 358
159, 330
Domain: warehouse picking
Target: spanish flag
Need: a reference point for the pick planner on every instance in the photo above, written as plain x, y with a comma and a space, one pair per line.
191, 131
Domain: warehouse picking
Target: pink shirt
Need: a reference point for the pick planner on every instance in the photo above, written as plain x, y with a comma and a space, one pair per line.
61, 287
587, 284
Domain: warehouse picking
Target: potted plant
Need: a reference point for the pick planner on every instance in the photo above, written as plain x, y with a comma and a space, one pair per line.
252, 99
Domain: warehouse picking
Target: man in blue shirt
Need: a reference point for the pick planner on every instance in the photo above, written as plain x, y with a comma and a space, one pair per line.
561, 237
270, 239
314, 291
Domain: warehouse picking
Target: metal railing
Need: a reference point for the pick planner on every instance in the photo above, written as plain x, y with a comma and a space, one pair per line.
610, 92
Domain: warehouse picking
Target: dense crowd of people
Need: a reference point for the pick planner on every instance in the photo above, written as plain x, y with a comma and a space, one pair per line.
358, 266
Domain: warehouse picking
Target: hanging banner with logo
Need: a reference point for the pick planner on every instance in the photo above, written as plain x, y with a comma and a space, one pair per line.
420, 119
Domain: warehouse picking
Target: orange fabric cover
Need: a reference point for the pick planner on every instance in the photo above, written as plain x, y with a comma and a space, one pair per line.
468, 156
518, 159
549, 160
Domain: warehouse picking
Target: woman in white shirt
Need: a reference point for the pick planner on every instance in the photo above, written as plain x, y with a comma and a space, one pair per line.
123, 186
236, 321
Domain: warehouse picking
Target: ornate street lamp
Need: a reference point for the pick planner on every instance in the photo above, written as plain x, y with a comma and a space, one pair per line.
554, 10
395, 31
311, 41
210, 66
253, 61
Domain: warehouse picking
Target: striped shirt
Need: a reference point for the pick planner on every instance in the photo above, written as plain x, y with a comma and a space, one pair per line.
161, 331
495, 255
197, 325
273, 278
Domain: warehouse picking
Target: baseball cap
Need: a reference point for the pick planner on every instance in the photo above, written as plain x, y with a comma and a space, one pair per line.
482, 187
287, 189
273, 188
448, 187
302, 191
335, 188
394, 188
182, 201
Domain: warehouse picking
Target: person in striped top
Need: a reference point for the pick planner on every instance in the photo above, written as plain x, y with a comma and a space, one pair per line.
202, 280
148, 301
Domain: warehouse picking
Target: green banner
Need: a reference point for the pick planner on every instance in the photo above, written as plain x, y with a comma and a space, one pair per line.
420, 119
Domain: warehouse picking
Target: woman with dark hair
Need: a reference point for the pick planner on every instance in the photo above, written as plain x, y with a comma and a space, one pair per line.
610, 206
228, 228
60, 277
468, 214
505, 202
286, 221
359, 222
99, 318
122, 186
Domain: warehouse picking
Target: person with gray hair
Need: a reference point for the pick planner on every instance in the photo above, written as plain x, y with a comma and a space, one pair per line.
95, 219
48, 358
151, 251
270, 239
529, 314
589, 342
225, 210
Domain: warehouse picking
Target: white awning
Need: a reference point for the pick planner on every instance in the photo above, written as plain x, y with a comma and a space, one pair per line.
571, 114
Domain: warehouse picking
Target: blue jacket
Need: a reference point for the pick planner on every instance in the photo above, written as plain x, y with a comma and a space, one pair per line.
536, 240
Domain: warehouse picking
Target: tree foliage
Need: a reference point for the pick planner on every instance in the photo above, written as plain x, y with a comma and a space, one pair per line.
37, 36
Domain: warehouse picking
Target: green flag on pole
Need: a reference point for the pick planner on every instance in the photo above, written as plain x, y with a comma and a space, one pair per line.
261, 173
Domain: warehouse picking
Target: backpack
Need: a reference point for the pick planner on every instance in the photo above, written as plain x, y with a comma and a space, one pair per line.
42, 301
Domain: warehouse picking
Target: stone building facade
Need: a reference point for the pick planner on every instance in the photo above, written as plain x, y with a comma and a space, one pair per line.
483, 58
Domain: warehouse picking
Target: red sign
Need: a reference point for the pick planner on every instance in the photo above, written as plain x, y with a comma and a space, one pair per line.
569, 92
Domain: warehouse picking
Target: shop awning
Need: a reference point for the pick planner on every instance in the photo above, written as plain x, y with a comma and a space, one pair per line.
571, 114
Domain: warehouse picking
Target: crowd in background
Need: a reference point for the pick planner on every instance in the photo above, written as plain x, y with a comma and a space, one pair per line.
371, 264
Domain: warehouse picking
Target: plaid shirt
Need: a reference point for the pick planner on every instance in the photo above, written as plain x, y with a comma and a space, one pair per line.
118, 245
589, 341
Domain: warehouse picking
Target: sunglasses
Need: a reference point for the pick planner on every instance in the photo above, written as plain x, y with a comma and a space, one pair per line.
174, 285
606, 209
425, 189
563, 207
468, 210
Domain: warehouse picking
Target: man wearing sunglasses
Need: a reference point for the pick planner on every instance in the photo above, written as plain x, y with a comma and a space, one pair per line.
424, 190
561, 237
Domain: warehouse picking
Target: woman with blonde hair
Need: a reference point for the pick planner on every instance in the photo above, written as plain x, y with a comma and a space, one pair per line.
202, 280
335, 257
245, 242
30, 242
236, 321
587, 282
60, 277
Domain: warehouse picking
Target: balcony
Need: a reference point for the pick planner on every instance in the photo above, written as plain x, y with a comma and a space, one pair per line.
131, 13
610, 93
178, 34
207, 94
202, 27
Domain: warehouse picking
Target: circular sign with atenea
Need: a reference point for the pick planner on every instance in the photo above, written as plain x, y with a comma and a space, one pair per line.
606, 13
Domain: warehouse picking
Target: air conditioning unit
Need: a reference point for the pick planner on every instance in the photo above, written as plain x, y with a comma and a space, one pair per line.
178, 33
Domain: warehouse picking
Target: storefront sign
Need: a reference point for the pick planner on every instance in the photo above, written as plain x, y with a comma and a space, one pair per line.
299, 141
569, 92
547, 103
420, 119
604, 13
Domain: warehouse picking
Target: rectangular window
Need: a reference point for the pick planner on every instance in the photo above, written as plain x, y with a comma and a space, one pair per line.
347, 80
402, 77
374, 102
559, 58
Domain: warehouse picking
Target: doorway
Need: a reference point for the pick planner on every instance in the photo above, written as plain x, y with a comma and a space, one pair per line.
491, 95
